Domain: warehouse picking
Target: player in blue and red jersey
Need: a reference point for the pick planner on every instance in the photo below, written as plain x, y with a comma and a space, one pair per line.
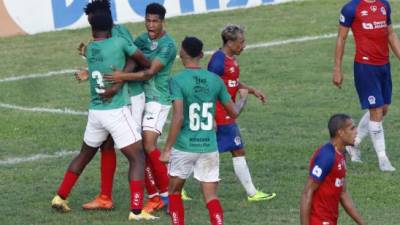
326, 184
223, 63
373, 34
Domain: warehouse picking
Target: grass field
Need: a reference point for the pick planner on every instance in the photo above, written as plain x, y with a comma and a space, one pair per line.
280, 136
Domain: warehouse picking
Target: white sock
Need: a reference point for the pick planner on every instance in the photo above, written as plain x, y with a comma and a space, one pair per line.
362, 129
243, 174
378, 138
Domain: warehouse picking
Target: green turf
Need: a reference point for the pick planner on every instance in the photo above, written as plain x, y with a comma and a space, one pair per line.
280, 136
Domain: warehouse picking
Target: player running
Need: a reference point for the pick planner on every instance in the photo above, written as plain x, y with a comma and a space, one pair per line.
160, 48
371, 24
326, 184
223, 63
191, 144
111, 116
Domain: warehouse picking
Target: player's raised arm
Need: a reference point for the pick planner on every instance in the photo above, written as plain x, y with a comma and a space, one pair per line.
337, 75
306, 198
348, 205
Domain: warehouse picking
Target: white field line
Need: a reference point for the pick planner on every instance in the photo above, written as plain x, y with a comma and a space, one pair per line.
18, 160
42, 110
36, 75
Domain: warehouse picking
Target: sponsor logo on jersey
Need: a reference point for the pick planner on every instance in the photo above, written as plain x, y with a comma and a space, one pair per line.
342, 18
325, 223
368, 26
372, 100
374, 25
339, 182
364, 13
383, 11
374, 8
317, 171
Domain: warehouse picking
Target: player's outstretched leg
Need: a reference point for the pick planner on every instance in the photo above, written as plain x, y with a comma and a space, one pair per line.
135, 155
72, 174
108, 166
242, 172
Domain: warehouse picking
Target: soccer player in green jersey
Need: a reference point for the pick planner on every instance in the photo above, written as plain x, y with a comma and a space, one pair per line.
108, 117
192, 144
158, 46
137, 101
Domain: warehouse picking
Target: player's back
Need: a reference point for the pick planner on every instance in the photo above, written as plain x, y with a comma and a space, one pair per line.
199, 89
102, 57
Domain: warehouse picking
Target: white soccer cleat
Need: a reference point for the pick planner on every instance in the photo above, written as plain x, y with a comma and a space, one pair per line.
385, 165
355, 154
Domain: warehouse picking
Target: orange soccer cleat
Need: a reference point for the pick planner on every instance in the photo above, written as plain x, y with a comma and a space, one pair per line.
100, 202
154, 204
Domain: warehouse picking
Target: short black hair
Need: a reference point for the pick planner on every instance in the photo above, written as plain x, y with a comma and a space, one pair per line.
192, 46
156, 9
337, 122
96, 6
101, 21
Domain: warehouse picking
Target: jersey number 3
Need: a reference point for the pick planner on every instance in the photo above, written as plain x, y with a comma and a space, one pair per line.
200, 117
99, 81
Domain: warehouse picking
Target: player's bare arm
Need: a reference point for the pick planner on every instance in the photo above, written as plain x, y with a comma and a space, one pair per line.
337, 75
145, 74
348, 206
254, 91
394, 41
235, 109
305, 203
176, 124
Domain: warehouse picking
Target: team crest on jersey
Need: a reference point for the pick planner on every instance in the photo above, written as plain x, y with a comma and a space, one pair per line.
232, 69
237, 140
383, 11
364, 13
154, 45
372, 100
374, 8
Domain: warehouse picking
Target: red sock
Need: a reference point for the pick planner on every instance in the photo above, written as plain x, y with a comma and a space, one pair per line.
108, 166
67, 184
176, 210
215, 212
159, 171
137, 195
149, 181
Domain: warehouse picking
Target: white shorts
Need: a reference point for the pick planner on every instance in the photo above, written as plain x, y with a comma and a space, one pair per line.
204, 165
137, 108
117, 122
155, 115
